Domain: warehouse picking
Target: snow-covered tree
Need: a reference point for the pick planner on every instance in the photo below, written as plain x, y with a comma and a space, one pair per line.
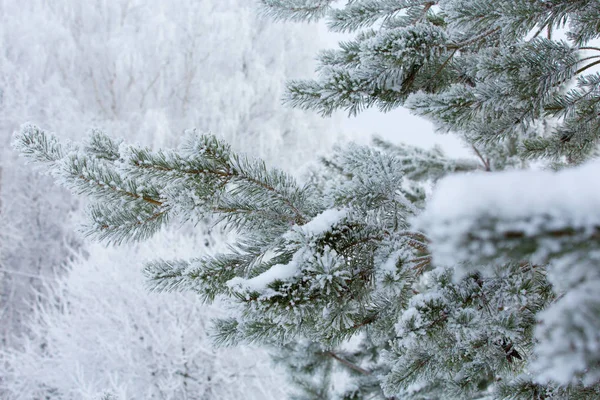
99, 332
476, 297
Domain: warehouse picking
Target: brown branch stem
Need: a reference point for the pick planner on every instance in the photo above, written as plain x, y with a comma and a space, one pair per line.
347, 363
580, 70
126, 193
228, 174
486, 163
474, 39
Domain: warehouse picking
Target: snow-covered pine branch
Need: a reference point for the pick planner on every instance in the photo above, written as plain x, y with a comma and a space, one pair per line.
531, 218
297, 249
299, 10
513, 215
140, 190
495, 71
312, 266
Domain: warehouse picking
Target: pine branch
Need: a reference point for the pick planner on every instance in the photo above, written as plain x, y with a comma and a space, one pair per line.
586, 67
297, 10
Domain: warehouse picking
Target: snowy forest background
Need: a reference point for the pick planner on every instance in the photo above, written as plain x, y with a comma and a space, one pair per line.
485, 289
76, 316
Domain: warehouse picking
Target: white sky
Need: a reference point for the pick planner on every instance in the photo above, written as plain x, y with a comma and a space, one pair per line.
401, 126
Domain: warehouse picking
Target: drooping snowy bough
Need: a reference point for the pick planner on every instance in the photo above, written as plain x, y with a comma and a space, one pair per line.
332, 272
534, 218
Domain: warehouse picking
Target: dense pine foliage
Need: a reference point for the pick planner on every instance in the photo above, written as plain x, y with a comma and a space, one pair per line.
368, 288
499, 72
